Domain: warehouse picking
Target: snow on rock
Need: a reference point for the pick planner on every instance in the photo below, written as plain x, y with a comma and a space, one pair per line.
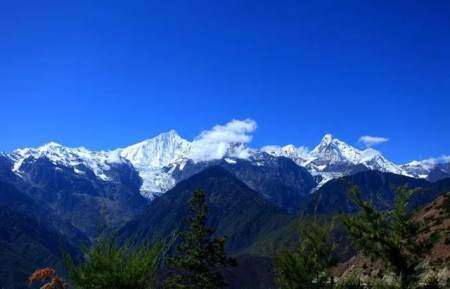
156, 158
98, 162
422, 169
152, 156
333, 158
297, 154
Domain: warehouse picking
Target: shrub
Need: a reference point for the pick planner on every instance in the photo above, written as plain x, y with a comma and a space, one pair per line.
108, 265
306, 267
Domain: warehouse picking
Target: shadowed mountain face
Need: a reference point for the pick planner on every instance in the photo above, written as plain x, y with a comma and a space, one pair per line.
31, 236
379, 188
49, 209
82, 200
235, 211
439, 172
251, 201
277, 179
251, 222
27, 244
19, 202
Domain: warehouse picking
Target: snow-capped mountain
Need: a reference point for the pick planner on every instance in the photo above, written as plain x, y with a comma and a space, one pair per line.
432, 169
152, 159
332, 151
157, 158
297, 154
159, 151
333, 158
79, 158
418, 169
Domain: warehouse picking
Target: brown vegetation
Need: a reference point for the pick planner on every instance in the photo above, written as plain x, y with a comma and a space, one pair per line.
49, 276
436, 220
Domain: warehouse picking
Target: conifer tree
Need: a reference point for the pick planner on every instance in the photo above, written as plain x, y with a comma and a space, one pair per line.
390, 236
199, 256
108, 265
306, 267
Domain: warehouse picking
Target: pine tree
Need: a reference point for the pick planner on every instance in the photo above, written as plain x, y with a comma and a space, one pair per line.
199, 256
306, 267
108, 265
390, 236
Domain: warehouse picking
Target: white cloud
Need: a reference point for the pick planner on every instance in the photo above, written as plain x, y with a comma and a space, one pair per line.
370, 141
434, 161
230, 139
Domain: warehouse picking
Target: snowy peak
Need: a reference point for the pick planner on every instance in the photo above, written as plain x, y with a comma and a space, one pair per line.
327, 139
333, 150
151, 156
98, 162
333, 158
155, 159
423, 169
157, 152
297, 154
289, 150
418, 169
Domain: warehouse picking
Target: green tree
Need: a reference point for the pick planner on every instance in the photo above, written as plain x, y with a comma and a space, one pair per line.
392, 236
108, 265
306, 267
199, 257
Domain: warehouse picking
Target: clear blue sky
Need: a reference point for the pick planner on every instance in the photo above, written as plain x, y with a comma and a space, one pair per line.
106, 74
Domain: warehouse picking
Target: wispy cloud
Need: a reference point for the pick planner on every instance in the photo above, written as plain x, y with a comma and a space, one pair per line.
230, 139
370, 141
435, 161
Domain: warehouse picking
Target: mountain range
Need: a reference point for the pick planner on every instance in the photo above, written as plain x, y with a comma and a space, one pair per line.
159, 160
55, 196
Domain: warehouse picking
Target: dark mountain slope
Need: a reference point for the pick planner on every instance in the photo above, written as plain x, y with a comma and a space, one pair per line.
12, 198
379, 188
235, 211
83, 200
6, 166
439, 172
25, 245
278, 179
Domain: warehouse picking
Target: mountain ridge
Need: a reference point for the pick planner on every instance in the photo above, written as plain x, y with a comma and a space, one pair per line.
155, 160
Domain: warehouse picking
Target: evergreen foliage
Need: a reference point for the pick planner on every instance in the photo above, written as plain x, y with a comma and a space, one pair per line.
351, 282
199, 257
306, 267
391, 236
108, 265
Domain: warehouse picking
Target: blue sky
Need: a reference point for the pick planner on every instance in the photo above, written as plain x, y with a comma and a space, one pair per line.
106, 74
